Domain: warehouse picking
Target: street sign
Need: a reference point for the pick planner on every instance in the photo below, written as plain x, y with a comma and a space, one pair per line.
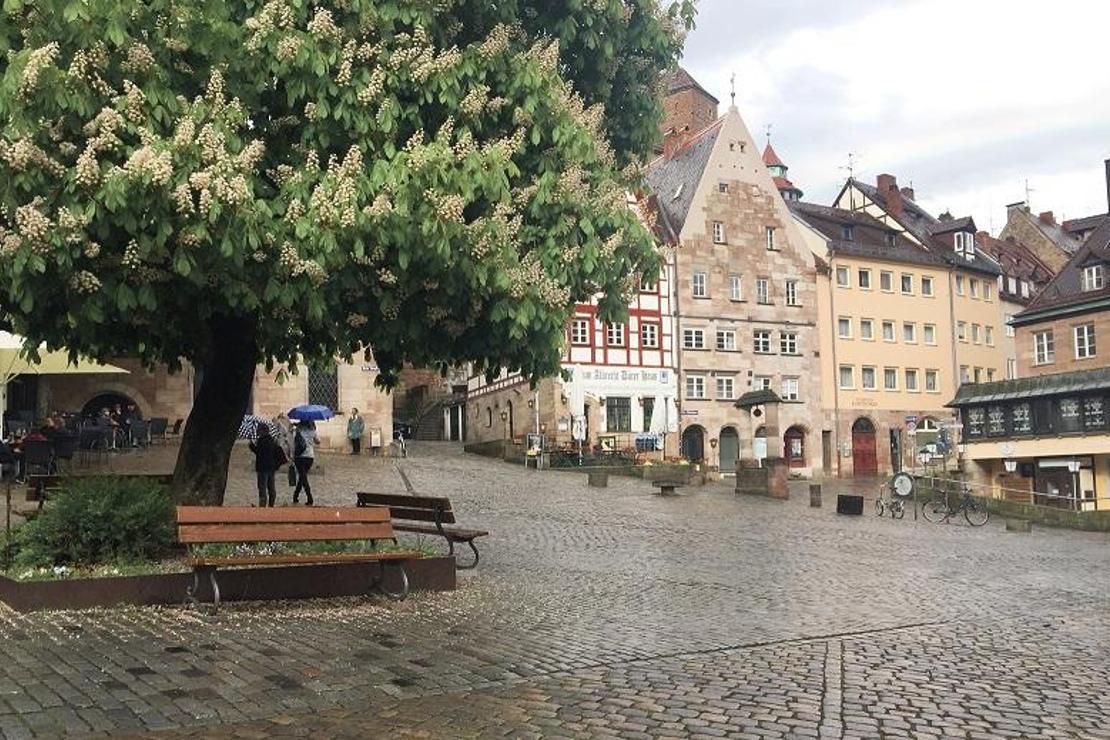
689, 412
911, 419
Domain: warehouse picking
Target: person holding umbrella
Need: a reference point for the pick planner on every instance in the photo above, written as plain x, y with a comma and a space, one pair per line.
304, 454
268, 457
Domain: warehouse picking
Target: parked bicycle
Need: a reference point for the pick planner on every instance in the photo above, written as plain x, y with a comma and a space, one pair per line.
901, 488
941, 510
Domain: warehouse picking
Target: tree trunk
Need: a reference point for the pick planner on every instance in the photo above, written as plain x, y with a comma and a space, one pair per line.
200, 477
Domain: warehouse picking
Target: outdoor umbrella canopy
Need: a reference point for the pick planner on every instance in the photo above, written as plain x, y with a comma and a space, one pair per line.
311, 412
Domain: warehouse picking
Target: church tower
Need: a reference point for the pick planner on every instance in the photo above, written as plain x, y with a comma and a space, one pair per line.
778, 173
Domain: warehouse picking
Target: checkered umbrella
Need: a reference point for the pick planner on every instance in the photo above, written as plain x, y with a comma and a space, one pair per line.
248, 428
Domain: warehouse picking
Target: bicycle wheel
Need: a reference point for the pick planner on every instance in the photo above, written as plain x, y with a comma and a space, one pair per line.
880, 508
976, 513
897, 509
935, 511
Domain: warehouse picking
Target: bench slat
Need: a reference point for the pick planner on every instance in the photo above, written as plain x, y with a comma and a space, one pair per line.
417, 515
465, 534
342, 557
282, 515
192, 534
419, 508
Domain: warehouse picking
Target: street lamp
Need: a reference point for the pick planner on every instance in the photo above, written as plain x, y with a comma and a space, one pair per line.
1010, 464
1073, 466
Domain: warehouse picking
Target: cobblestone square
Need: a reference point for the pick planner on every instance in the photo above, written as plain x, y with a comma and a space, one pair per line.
608, 612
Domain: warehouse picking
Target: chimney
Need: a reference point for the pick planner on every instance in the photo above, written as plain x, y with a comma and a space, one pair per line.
907, 193
1019, 206
888, 188
1046, 217
1107, 163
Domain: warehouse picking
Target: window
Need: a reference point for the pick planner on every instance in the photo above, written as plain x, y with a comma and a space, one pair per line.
988, 291
649, 336
323, 386
1011, 285
965, 245
1021, 419
648, 402
1011, 368
976, 422
964, 377
842, 277
932, 382
735, 288
886, 281
990, 374
698, 283
926, 285
909, 332
695, 386
890, 378
1094, 413
761, 339
892, 239
614, 335
792, 293
996, 421
848, 232
618, 414
1009, 318
867, 378
866, 329
974, 288
790, 389
959, 285
580, 331
763, 382
907, 283
844, 327
975, 334
722, 187
726, 340
726, 388
988, 335
977, 375
771, 238
961, 331
1084, 341
888, 331
718, 232
930, 332
762, 290
864, 278
911, 380
1044, 349
1092, 278
847, 379
693, 338
648, 284
1024, 288
788, 342
1069, 415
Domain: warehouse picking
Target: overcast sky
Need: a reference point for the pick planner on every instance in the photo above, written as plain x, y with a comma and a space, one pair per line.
966, 98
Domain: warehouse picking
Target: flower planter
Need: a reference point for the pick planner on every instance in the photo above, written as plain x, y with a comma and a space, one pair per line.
244, 584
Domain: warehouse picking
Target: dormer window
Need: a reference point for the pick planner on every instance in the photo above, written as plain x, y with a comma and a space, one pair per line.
965, 245
848, 232
1092, 278
891, 239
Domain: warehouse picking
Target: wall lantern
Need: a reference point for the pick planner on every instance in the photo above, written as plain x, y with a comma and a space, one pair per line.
1073, 466
563, 398
531, 403
1010, 464
504, 415
713, 443
601, 400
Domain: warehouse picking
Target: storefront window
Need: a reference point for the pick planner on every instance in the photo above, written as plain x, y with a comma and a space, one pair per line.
1069, 415
1094, 413
649, 411
976, 420
618, 414
1021, 420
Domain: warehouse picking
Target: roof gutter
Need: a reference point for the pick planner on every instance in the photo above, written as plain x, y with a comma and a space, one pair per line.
1032, 316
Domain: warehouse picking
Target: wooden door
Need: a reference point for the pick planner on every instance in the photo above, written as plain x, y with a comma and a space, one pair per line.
864, 458
730, 450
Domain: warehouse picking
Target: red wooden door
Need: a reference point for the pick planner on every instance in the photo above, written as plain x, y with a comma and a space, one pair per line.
864, 460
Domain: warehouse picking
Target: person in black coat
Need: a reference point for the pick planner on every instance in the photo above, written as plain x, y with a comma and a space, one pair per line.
268, 458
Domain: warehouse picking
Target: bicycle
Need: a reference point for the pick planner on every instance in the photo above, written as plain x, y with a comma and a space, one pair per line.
901, 486
895, 506
938, 511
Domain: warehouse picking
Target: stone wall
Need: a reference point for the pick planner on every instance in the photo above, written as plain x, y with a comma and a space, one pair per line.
688, 108
156, 393
1021, 227
1063, 333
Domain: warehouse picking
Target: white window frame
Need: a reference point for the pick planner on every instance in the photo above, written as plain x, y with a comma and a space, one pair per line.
886, 276
729, 340
988, 335
959, 285
763, 291
863, 275
961, 331
888, 373
927, 280
696, 383
791, 388
583, 339
869, 335
909, 332
788, 342
864, 371
771, 246
1093, 278
851, 384
618, 328
761, 337
649, 339
893, 334
934, 375
699, 285
693, 337
929, 334
988, 292
911, 385
841, 322
1084, 339
723, 393
1009, 321
763, 382
736, 288
792, 293
902, 283
843, 277
973, 288
719, 232
1011, 368
975, 334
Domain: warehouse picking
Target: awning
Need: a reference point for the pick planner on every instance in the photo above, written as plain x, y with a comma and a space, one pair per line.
13, 361
1058, 384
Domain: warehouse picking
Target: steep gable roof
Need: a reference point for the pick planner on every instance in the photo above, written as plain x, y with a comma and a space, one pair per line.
1065, 289
674, 180
683, 80
869, 235
770, 158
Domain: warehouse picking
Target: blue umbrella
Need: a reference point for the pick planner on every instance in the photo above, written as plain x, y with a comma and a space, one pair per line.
311, 412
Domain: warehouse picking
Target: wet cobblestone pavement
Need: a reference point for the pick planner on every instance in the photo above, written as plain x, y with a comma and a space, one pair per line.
609, 612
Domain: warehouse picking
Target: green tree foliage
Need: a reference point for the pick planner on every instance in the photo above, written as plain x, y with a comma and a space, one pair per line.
438, 180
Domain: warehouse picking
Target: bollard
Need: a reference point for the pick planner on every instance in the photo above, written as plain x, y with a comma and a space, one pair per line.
598, 479
815, 495
1019, 525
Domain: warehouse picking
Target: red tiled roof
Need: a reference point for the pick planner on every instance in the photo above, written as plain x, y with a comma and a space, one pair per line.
770, 158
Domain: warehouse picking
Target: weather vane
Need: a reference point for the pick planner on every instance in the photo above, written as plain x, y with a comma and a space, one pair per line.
851, 166
768, 134
732, 88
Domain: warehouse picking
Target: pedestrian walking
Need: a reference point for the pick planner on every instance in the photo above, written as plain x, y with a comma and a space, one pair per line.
304, 454
268, 458
355, 426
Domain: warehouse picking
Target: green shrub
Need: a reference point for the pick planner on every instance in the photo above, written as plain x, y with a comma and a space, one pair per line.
94, 520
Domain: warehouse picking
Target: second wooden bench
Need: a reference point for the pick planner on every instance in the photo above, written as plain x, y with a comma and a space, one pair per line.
408, 511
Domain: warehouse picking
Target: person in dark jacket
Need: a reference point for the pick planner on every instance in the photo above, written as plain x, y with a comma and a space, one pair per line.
268, 457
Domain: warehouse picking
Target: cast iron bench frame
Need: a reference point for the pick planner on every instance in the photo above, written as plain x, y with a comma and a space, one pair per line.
197, 525
434, 509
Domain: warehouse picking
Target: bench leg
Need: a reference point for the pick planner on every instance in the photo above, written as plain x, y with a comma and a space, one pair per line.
474, 549
379, 584
191, 601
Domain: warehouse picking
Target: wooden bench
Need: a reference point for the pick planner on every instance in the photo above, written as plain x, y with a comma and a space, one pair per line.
198, 525
437, 511
39, 487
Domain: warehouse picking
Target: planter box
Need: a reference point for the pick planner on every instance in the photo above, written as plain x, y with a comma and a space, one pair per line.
244, 584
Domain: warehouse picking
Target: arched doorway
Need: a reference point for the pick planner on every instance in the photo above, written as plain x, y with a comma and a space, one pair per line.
864, 459
105, 401
759, 444
693, 443
729, 446
794, 445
